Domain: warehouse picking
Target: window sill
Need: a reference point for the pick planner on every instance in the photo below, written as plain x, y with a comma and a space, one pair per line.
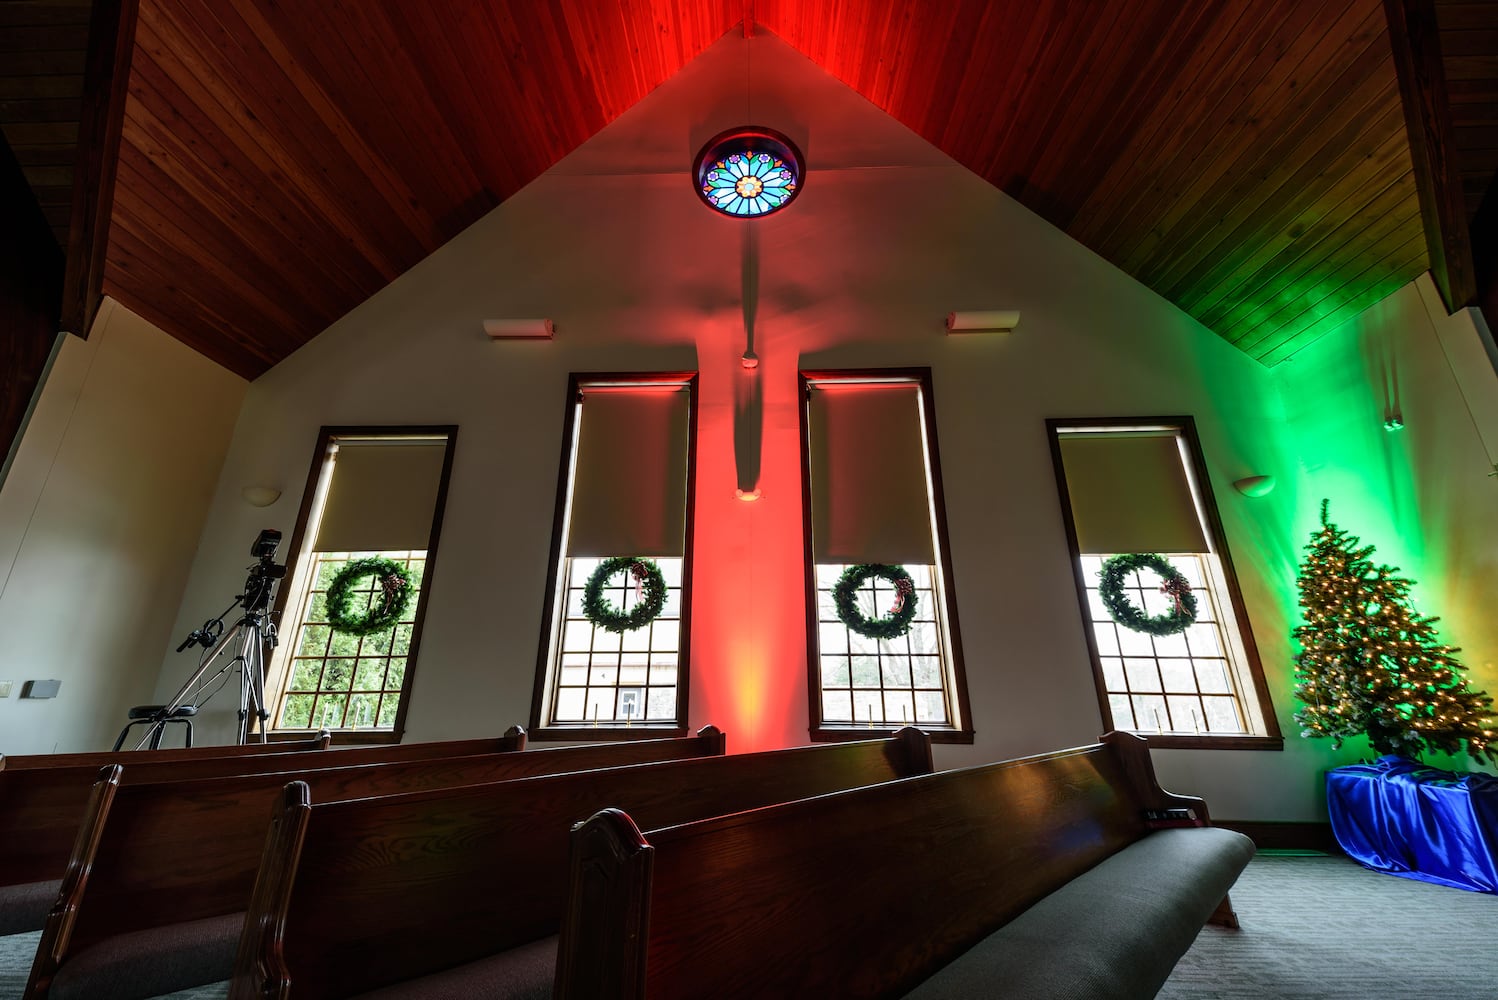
847, 734
1177, 741
341, 737
588, 732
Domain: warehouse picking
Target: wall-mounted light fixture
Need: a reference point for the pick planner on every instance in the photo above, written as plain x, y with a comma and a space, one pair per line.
986, 321
748, 496
260, 496
1255, 486
519, 329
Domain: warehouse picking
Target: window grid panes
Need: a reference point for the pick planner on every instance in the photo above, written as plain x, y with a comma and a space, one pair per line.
340, 681
881, 682
610, 678
1179, 684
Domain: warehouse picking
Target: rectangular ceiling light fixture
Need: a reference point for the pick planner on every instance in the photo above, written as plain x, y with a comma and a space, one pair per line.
987, 321
518, 329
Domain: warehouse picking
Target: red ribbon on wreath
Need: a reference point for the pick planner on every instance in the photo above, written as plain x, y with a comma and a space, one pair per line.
903, 590
1175, 588
639, 571
391, 585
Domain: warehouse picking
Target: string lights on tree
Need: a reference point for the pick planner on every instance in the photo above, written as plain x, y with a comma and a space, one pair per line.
1371, 665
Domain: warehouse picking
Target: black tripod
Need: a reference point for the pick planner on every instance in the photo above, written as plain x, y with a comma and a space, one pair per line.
252, 636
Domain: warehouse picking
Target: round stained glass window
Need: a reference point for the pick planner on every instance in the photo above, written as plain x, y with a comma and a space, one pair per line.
748, 172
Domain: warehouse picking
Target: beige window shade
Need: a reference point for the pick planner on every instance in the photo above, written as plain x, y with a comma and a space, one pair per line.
869, 502
1129, 493
629, 488
382, 496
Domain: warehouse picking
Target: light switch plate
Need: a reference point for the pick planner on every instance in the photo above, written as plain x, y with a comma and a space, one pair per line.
5, 687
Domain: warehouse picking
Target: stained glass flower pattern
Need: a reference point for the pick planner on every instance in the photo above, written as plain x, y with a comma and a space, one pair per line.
748, 172
749, 184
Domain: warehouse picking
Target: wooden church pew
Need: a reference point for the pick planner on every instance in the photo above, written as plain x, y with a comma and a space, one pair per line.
17, 762
458, 890
867, 893
155, 890
41, 808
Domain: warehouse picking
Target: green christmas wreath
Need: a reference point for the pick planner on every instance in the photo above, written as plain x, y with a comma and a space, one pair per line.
1121, 610
647, 576
390, 599
892, 625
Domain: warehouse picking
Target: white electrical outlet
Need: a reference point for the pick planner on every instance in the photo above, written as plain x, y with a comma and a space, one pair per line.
5, 687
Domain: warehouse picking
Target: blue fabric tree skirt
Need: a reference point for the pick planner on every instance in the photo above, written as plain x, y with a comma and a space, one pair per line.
1403, 818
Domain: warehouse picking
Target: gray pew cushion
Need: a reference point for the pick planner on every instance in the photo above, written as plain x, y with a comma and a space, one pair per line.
1112, 933
25, 907
151, 962
523, 973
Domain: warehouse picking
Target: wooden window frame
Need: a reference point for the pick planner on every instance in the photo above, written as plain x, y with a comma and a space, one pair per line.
325, 436
1271, 739
961, 730
580, 733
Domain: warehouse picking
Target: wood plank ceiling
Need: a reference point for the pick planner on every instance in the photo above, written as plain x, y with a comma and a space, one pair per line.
283, 161
1469, 50
43, 44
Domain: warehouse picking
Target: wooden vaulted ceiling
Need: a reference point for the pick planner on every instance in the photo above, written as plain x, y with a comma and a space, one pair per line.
1469, 51
42, 51
282, 161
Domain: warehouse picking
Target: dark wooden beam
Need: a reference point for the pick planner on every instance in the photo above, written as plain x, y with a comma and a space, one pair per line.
1485, 254
1427, 115
30, 285
111, 40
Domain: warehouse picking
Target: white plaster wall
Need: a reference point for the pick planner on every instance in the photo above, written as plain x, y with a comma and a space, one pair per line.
99, 521
888, 236
1424, 496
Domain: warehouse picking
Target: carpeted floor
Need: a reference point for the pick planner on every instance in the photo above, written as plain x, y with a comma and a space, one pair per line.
1314, 928
1322, 928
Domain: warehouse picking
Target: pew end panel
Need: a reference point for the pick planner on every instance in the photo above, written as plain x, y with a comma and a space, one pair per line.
267, 913
1162, 809
608, 909
58, 927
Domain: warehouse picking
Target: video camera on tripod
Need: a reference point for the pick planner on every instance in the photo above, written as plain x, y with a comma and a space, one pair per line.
258, 589
256, 634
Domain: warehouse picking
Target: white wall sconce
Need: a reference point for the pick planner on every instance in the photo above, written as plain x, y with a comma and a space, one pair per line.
1255, 486
519, 329
260, 496
748, 496
988, 321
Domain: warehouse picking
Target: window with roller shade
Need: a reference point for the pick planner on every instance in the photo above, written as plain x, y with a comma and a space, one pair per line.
625, 490
1139, 486
371, 492
873, 496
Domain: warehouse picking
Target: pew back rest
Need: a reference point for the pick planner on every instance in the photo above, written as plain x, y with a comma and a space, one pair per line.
386, 890
41, 807
96, 760
182, 850
913, 872
39, 813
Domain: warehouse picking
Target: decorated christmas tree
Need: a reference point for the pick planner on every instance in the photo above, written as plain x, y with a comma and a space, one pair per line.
1371, 665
